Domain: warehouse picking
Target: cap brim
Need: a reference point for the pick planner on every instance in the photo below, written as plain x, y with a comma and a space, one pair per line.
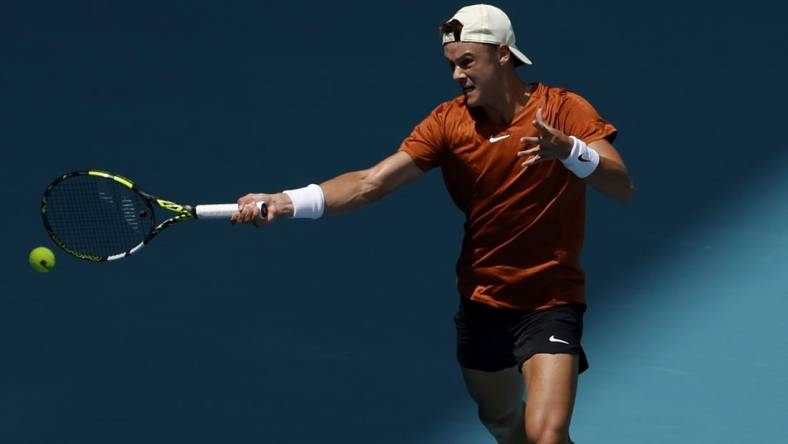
520, 56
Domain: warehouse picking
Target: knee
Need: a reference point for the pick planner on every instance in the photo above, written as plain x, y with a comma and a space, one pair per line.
502, 423
547, 434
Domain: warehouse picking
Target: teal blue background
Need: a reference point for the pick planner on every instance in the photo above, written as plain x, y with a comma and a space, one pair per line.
340, 330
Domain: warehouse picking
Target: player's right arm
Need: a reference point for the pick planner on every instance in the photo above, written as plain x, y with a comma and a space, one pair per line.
345, 192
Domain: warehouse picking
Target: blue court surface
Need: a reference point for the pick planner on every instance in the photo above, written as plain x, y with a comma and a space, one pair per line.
340, 330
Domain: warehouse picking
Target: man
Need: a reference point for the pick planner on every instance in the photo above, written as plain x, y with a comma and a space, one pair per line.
515, 158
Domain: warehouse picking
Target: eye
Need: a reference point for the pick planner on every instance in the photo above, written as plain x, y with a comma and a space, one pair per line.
466, 63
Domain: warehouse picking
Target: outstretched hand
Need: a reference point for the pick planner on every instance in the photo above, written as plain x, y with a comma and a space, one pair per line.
551, 144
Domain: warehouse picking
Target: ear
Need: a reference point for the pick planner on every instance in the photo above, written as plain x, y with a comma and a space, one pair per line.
504, 54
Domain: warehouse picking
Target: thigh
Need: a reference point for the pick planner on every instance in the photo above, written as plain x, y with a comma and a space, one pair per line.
551, 384
496, 393
557, 330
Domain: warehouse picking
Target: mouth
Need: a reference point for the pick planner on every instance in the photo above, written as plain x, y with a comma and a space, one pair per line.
467, 89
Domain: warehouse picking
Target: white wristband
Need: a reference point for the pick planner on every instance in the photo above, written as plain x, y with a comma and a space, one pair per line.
582, 160
308, 202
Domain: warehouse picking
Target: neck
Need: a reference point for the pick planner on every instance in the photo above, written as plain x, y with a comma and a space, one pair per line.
513, 97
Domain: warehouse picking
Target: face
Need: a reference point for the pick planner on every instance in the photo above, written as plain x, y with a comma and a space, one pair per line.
477, 68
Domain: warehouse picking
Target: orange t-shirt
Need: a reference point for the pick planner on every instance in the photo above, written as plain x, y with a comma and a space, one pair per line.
523, 226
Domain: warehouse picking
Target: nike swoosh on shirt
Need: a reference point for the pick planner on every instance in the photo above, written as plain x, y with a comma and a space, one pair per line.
554, 339
499, 138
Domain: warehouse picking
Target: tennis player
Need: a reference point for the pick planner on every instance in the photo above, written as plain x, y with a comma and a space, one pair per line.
516, 158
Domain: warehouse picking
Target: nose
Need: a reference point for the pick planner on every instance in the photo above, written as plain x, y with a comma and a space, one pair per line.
459, 75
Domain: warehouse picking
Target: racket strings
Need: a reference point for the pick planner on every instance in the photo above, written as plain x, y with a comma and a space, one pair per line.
98, 216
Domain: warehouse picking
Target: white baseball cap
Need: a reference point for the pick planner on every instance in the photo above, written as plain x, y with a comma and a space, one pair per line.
486, 24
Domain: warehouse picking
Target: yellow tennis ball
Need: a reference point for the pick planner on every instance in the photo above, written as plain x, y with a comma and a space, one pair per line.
42, 259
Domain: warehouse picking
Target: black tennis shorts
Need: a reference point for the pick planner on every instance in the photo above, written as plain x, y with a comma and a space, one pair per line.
491, 339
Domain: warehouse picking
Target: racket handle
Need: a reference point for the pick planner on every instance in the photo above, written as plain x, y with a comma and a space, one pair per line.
221, 211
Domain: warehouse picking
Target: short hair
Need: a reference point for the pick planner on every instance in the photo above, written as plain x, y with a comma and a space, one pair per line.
452, 27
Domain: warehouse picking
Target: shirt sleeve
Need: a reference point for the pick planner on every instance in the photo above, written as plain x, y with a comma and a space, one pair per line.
425, 145
576, 117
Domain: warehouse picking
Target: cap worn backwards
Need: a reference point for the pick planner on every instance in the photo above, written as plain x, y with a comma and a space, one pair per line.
486, 24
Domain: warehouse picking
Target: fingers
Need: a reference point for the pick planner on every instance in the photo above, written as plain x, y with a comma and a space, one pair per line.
529, 152
540, 123
546, 142
243, 200
535, 159
534, 155
529, 140
249, 211
243, 215
240, 217
545, 130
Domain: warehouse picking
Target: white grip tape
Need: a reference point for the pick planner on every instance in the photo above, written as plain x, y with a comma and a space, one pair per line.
218, 211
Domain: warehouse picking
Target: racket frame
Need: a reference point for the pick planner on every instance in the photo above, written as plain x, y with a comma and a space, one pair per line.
182, 213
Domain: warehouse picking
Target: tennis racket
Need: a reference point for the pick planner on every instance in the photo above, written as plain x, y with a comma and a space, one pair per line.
100, 216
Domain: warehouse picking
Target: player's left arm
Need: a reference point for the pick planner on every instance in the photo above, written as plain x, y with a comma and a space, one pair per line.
610, 176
